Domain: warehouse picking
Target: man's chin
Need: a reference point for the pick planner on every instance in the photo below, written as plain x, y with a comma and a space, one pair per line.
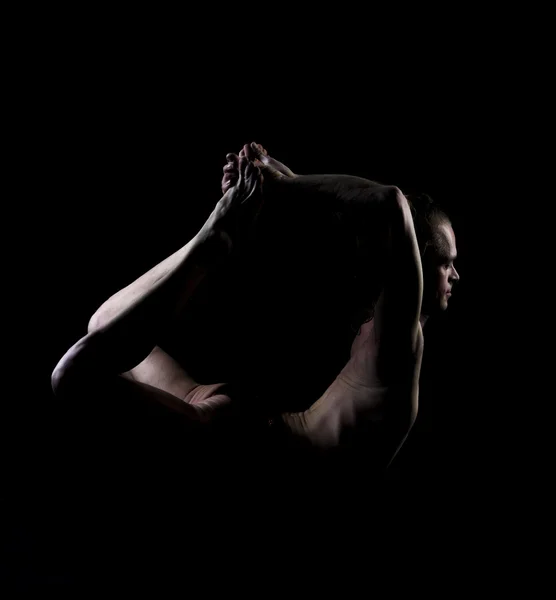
435, 308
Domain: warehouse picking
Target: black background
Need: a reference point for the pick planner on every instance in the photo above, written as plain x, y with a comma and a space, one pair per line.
122, 163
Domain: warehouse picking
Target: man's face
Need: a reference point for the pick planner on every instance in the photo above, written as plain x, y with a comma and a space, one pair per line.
438, 269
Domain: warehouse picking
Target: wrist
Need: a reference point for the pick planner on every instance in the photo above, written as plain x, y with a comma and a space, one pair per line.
211, 247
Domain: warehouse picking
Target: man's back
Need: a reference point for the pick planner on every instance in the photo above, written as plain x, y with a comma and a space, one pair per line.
277, 316
281, 317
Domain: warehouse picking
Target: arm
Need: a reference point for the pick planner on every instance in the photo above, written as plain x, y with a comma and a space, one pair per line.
158, 369
129, 335
124, 298
372, 402
274, 170
398, 308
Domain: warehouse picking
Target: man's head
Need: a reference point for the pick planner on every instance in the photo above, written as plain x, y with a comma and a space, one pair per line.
437, 245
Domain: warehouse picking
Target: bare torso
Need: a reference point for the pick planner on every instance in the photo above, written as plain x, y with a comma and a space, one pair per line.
270, 327
278, 324
360, 403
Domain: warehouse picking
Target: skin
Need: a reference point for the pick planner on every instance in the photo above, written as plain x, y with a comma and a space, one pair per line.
119, 356
439, 270
440, 274
322, 422
375, 395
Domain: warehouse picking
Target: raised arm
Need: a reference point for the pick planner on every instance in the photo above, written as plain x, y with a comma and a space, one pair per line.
158, 369
128, 332
372, 403
396, 315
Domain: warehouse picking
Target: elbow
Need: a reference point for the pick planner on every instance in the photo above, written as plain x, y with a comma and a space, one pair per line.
64, 375
400, 205
70, 372
59, 379
55, 380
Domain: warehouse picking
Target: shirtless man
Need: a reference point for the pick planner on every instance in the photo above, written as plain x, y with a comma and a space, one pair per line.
363, 391
371, 404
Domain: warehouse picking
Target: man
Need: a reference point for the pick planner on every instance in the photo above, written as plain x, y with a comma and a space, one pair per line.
370, 404
335, 414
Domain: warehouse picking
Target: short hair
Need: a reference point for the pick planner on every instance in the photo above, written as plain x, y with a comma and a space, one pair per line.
427, 215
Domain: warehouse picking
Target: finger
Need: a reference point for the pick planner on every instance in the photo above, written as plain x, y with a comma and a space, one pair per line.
249, 169
257, 175
229, 168
233, 162
227, 184
269, 171
259, 154
253, 198
243, 162
258, 149
248, 152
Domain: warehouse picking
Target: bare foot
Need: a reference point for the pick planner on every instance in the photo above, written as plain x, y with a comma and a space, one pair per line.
262, 155
256, 153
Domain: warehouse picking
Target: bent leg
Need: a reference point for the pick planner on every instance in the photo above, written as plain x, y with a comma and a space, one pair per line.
127, 426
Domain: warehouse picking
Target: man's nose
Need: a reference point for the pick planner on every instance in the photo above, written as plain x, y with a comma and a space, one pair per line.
454, 275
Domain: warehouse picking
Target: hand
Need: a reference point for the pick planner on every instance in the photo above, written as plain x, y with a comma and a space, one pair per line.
233, 217
268, 164
269, 167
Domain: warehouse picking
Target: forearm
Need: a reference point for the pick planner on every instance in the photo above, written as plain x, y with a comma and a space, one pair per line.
123, 299
327, 183
129, 334
358, 200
